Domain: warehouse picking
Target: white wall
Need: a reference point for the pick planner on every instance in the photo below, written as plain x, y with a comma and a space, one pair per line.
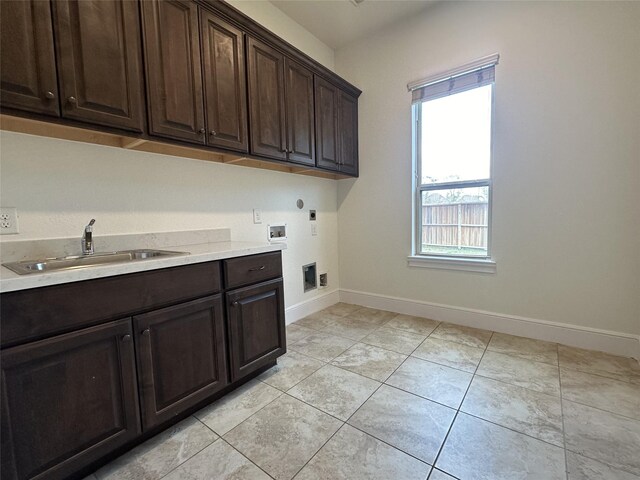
566, 160
270, 16
58, 185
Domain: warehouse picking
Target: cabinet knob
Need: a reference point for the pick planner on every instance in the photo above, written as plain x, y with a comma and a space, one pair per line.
201, 131
126, 338
146, 332
50, 95
235, 304
72, 100
213, 133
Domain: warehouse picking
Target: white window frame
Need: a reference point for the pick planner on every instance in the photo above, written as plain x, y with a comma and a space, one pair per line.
473, 263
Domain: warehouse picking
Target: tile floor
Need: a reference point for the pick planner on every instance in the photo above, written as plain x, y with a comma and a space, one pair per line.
368, 394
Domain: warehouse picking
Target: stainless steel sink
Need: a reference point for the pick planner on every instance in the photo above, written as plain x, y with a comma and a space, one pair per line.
82, 261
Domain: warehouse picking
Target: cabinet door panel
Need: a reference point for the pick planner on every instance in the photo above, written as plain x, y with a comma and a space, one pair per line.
266, 100
28, 65
98, 47
225, 83
256, 327
67, 401
348, 133
300, 113
326, 124
174, 75
181, 357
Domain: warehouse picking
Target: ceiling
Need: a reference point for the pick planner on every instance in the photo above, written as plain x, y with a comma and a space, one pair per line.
339, 22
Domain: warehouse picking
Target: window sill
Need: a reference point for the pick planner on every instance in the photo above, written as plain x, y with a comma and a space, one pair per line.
449, 263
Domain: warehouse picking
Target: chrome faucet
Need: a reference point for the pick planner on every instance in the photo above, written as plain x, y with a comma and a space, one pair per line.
87, 238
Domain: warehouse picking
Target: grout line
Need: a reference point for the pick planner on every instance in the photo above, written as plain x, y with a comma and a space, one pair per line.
346, 423
564, 435
615, 467
247, 458
203, 448
455, 417
633, 419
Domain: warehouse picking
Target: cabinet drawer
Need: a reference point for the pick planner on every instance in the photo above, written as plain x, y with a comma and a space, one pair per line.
252, 269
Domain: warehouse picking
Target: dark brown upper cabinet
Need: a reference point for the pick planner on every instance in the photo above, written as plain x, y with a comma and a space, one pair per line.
266, 100
301, 146
225, 83
256, 327
173, 70
336, 128
67, 401
99, 62
181, 357
326, 124
348, 133
28, 66
193, 72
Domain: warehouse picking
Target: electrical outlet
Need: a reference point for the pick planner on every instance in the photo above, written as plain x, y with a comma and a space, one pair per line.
314, 229
257, 215
8, 220
312, 215
323, 280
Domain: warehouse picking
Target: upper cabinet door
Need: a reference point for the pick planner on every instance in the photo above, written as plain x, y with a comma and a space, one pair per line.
28, 65
266, 100
174, 76
300, 113
327, 147
348, 133
225, 83
98, 47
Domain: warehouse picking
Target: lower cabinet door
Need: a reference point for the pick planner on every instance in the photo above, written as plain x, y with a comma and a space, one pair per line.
181, 357
67, 401
256, 326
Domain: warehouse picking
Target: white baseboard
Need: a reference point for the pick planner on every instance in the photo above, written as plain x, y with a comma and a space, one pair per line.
616, 343
313, 305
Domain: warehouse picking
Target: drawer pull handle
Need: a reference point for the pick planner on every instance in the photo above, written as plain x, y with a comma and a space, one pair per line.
126, 338
146, 332
256, 269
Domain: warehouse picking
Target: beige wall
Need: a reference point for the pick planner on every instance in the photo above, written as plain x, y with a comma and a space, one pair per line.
566, 232
58, 185
281, 24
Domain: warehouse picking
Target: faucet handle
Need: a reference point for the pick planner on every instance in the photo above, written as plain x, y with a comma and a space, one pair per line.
88, 227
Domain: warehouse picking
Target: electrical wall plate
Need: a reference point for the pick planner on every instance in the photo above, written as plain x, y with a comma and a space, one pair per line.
8, 220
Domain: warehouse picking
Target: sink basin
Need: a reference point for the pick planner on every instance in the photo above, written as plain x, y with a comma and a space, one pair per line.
69, 263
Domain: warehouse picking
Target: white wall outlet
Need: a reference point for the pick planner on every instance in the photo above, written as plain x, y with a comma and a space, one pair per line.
314, 229
257, 215
8, 220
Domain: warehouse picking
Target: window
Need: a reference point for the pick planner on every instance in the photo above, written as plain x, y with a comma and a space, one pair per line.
452, 162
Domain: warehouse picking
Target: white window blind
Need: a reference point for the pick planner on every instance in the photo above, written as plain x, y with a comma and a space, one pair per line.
473, 75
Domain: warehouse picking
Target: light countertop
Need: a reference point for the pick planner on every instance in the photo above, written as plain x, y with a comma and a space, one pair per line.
198, 253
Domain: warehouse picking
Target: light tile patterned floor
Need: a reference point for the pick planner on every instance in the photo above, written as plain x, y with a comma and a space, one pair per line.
368, 394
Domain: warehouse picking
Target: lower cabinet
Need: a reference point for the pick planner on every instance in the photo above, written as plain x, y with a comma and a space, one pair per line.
256, 327
67, 401
181, 357
70, 400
